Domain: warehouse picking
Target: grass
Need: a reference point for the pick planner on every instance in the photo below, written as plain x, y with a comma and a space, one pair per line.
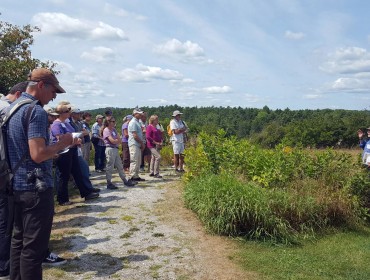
343, 255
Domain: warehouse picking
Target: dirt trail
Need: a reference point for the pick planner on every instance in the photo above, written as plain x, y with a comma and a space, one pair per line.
143, 232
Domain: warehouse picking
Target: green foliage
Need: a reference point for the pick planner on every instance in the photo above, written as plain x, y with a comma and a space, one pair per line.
340, 256
282, 194
265, 127
15, 55
229, 206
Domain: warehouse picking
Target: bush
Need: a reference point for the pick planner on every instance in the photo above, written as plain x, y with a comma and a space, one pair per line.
240, 189
228, 206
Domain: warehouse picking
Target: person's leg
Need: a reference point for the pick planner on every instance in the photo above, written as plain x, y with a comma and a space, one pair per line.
5, 235
176, 161
102, 166
155, 162
110, 156
86, 151
64, 164
31, 233
152, 160
125, 155
85, 173
96, 156
135, 158
118, 164
77, 175
181, 162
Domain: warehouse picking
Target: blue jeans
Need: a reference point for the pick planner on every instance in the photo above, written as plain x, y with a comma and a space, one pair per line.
85, 172
99, 159
4, 235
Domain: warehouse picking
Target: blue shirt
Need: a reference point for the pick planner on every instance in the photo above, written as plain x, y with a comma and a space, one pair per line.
18, 143
134, 126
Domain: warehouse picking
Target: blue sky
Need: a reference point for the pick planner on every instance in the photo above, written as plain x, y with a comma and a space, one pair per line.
250, 53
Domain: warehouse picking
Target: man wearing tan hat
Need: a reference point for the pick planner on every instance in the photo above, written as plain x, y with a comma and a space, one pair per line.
178, 128
33, 181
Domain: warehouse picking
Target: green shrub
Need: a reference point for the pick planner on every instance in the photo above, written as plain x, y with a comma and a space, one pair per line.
283, 193
228, 206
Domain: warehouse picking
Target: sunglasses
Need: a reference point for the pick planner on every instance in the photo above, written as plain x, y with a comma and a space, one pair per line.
112, 121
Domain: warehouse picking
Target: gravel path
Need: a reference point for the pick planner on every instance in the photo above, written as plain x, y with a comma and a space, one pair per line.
142, 232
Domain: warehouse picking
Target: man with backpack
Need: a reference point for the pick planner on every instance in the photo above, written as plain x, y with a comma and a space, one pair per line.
32, 183
178, 129
5, 231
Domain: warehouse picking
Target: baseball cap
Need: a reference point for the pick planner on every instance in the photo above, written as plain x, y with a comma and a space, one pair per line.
129, 117
137, 111
108, 112
175, 113
45, 75
99, 117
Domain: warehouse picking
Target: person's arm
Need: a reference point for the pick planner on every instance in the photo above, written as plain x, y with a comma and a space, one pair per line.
40, 152
149, 135
138, 139
114, 141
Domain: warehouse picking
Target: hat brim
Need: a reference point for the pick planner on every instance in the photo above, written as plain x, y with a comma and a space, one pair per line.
59, 89
53, 114
177, 114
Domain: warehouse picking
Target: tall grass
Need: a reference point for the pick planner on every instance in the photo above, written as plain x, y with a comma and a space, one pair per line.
282, 194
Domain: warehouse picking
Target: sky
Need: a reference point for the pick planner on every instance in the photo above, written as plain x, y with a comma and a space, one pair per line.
308, 54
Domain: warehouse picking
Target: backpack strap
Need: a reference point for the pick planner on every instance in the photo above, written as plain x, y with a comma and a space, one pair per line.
28, 117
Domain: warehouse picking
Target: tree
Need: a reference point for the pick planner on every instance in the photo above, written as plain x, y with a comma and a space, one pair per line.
16, 61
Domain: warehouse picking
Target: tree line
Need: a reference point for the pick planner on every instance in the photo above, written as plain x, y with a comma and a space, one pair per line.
319, 128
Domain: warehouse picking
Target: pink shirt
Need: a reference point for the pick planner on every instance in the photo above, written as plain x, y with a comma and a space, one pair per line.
152, 134
113, 133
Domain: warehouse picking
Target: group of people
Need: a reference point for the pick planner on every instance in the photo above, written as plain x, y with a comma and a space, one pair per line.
62, 138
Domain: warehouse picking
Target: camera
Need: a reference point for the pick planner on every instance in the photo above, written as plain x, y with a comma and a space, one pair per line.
36, 177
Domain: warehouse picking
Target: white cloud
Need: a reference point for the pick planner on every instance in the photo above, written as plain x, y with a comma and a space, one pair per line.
353, 85
184, 51
349, 60
99, 54
217, 89
62, 25
311, 96
294, 35
142, 73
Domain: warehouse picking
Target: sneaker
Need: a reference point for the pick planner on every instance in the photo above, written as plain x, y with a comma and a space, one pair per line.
142, 169
138, 179
65, 203
151, 174
130, 183
158, 176
112, 186
95, 190
53, 260
5, 275
178, 170
91, 195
